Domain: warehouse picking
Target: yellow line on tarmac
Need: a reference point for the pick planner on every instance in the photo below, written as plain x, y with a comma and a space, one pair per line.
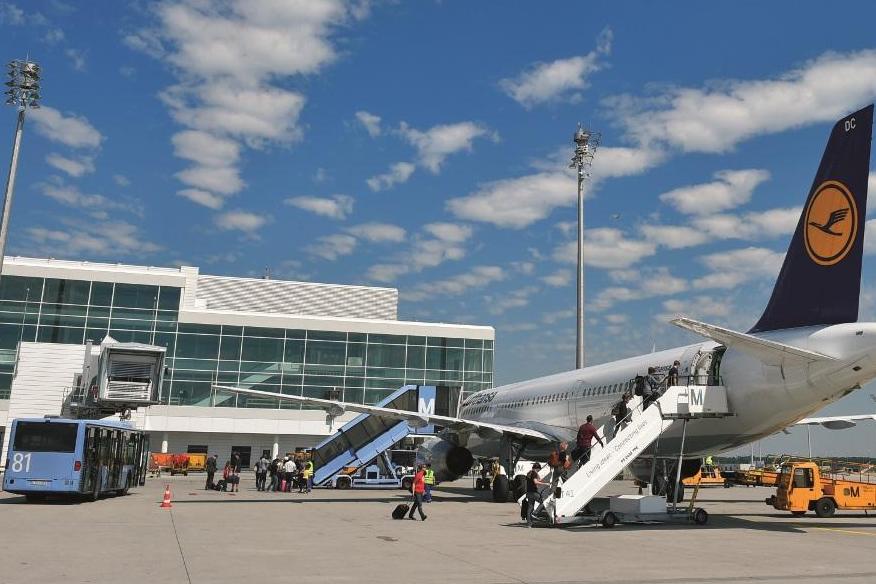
849, 531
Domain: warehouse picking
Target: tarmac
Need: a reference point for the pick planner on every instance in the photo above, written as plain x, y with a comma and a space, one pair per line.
342, 536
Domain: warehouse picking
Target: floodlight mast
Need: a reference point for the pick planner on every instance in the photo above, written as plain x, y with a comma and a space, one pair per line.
23, 93
586, 142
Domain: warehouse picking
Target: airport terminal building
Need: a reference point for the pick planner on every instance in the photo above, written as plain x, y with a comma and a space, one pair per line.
301, 338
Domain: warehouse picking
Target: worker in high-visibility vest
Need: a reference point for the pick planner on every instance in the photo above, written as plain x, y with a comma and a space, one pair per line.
307, 474
429, 479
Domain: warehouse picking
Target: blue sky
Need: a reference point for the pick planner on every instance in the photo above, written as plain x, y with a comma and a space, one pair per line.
423, 145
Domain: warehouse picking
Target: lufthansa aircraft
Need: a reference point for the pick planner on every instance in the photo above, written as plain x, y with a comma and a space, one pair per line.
806, 351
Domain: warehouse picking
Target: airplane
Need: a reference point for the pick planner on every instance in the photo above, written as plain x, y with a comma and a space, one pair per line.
806, 351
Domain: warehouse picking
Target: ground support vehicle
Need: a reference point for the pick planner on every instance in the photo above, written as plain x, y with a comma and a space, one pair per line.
755, 477
380, 473
649, 509
59, 456
805, 486
707, 476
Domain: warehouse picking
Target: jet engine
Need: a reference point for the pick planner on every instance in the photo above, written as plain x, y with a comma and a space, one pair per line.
449, 461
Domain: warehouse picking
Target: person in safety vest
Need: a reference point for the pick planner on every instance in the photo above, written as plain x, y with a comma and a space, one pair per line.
307, 475
429, 479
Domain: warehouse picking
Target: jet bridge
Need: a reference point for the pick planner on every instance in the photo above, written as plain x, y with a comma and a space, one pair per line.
362, 439
678, 404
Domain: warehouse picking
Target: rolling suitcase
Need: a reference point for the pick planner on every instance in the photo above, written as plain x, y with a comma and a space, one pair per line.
400, 511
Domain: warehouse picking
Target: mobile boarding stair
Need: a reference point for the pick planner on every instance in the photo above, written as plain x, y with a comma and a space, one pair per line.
361, 440
567, 502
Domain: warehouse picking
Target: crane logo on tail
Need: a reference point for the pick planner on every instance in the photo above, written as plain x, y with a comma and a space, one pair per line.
831, 223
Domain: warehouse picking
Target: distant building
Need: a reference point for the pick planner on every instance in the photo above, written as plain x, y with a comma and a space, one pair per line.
320, 340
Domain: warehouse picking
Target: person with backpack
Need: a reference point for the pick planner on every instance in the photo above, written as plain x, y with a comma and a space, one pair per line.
418, 488
211, 471
533, 495
261, 472
620, 411
231, 477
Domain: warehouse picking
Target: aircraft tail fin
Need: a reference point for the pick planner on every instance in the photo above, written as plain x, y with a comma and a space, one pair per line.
820, 280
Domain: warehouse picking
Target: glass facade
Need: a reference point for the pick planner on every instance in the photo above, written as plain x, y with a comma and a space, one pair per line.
355, 367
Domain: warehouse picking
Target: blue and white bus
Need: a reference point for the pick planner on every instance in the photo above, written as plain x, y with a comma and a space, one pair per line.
57, 456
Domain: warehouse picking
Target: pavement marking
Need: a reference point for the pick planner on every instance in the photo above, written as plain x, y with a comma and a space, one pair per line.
849, 531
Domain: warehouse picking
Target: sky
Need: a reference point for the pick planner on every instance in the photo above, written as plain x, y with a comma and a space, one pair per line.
425, 146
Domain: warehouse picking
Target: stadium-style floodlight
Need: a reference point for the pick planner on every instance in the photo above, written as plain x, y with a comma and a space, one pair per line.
586, 142
23, 93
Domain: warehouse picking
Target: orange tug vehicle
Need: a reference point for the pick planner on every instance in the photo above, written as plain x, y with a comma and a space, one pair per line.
803, 486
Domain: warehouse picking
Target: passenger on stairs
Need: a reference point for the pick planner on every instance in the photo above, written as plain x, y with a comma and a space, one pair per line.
559, 462
652, 388
620, 411
586, 433
532, 493
672, 376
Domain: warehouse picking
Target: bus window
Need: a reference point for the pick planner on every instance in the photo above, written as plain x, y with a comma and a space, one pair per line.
45, 437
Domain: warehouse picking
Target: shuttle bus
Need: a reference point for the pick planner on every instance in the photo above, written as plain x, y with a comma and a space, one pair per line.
56, 456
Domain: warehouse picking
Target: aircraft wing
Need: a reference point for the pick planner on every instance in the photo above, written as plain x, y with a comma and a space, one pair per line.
416, 419
770, 352
836, 422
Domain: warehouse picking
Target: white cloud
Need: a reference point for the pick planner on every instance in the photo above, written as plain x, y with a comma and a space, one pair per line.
750, 226
519, 202
606, 247
560, 79
222, 180
399, 173
232, 61
438, 243
674, 236
334, 207
56, 188
730, 189
11, 14
559, 278
331, 247
205, 198
205, 149
477, 277
72, 130
74, 167
378, 232
698, 307
731, 268
370, 122
239, 220
870, 237
121, 180
77, 59
617, 318
649, 283
506, 301
721, 115
438, 142
452, 232
113, 239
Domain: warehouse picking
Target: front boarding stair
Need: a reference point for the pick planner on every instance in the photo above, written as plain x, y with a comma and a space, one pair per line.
678, 403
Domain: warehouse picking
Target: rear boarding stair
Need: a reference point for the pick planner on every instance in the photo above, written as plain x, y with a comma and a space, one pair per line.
568, 499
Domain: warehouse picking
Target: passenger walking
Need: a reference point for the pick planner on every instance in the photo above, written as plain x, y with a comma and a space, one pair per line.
289, 472
584, 441
211, 471
533, 496
429, 479
418, 488
620, 411
261, 468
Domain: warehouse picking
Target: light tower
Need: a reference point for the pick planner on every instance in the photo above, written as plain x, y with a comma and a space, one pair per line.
586, 142
23, 93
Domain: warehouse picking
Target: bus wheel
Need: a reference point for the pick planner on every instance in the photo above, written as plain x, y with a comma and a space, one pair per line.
95, 491
343, 484
825, 507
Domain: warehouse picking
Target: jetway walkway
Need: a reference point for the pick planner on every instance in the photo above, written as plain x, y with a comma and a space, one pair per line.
363, 438
678, 404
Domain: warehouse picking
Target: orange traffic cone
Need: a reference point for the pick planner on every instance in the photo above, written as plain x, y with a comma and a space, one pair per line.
166, 503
